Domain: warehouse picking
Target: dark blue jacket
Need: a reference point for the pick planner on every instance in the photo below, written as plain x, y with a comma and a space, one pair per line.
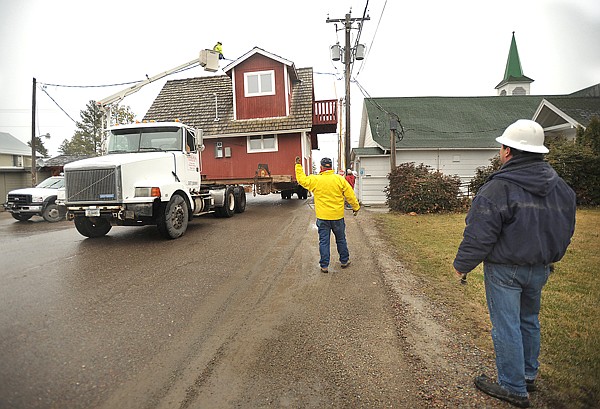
524, 215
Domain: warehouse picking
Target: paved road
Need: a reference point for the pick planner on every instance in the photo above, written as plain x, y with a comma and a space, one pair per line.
234, 314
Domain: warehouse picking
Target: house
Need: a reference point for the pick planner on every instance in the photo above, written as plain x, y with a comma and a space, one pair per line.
456, 135
260, 114
15, 164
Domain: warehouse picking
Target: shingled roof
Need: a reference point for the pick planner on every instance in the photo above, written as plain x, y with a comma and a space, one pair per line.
447, 122
207, 103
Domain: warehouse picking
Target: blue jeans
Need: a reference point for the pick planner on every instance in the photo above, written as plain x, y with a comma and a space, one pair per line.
513, 296
325, 227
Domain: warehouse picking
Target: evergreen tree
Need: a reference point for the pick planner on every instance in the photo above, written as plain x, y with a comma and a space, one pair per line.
39, 146
88, 138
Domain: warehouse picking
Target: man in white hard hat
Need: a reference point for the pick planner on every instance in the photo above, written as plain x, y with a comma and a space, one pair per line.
520, 222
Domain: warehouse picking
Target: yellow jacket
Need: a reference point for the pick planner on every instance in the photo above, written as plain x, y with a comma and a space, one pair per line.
329, 191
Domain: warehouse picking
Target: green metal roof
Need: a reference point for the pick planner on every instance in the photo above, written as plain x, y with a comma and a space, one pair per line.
581, 109
448, 122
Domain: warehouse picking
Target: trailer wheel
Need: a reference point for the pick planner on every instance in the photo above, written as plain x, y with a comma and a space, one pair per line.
240, 199
302, 193
22, 217
173, 220
92, 227
53, 213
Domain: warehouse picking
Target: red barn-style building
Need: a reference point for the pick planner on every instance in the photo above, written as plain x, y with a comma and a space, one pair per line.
256, 118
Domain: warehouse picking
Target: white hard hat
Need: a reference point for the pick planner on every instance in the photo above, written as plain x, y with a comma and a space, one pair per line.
525, 135
349, 171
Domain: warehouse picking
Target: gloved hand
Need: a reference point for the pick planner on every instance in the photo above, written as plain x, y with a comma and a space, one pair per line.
355, 212
297, 160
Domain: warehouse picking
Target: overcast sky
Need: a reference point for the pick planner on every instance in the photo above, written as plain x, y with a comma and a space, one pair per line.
421, 48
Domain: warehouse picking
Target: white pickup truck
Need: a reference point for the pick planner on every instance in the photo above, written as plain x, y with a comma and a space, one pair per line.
25, 203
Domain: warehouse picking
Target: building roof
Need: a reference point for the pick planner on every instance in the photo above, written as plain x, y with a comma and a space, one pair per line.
13, 146
447, 122
62, 160
258, 50
207, 103
580, 109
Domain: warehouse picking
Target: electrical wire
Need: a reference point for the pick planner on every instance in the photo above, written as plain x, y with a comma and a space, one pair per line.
364, 62
53, 100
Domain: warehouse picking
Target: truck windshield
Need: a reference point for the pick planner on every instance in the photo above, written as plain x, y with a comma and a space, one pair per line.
52, 183
145, 139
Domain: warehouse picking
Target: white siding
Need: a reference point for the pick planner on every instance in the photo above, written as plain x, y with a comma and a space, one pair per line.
373, 170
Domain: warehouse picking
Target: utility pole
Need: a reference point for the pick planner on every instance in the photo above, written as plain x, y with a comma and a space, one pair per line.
33, 158
349, 55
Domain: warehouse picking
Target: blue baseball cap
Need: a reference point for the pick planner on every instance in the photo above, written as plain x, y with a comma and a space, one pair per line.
326, 163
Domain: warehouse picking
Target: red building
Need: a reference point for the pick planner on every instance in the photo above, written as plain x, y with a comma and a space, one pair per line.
260, 115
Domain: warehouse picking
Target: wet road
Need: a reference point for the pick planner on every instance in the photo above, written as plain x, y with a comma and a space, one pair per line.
79, 316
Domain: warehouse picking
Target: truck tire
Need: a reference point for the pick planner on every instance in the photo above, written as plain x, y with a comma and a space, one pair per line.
92, 227
22, 217
53, 213
173, 220
240, 199
228, 208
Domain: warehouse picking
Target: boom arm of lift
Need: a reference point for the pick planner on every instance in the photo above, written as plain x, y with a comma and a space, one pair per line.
209, 59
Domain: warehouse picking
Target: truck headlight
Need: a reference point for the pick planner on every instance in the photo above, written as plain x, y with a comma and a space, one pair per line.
147, 192
37, 199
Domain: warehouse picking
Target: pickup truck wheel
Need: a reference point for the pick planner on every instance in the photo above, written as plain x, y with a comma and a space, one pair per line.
22, 217
53, 213
240, 199
173, 221
92, 227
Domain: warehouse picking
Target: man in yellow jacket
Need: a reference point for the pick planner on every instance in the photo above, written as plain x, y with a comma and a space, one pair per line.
329, 191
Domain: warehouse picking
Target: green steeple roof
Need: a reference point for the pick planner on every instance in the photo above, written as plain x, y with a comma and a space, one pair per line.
513, 71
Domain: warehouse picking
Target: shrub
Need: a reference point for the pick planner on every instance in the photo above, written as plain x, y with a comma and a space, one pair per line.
579, 166
482, 173
417, 189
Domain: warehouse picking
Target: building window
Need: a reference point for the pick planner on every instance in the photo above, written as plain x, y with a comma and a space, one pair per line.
259, 83
18, 161
262, 143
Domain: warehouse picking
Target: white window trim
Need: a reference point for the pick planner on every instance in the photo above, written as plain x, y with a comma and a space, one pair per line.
274, 149
258, 73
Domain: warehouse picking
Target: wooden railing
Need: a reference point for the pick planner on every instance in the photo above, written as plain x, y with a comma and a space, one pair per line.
325, 112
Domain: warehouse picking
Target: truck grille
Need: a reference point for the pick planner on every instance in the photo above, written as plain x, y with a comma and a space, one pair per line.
92, 185
19, 199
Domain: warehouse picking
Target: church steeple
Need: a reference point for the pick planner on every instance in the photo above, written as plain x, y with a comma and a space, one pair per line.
514, 82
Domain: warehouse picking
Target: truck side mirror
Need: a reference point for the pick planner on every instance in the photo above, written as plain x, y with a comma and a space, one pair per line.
200, 140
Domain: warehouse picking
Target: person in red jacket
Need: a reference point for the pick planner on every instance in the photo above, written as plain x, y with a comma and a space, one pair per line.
350, 177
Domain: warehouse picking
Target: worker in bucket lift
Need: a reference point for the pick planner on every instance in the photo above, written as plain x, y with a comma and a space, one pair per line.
329, 191
219, 48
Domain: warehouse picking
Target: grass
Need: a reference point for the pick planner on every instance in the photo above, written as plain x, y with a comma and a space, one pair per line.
570, 315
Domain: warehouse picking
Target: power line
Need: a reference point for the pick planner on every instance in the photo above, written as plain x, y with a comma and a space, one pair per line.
53, 100
364, 62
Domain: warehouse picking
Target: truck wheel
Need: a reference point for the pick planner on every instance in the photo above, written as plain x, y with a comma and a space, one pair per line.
228, 208
92, 227
240, 199
52, 213
173, 221
22, 217
302, 193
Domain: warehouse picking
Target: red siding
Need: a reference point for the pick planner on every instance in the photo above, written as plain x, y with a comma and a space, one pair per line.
242, 164
267, 106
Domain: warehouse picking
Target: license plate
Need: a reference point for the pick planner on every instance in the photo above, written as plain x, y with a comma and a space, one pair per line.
92, 212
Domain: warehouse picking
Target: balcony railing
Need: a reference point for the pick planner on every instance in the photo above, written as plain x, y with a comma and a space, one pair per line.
325, 112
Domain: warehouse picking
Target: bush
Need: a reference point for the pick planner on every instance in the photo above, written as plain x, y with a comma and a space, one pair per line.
482, 173
579, 166
417, 189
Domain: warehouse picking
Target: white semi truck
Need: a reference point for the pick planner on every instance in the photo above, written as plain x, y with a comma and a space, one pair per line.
151, 175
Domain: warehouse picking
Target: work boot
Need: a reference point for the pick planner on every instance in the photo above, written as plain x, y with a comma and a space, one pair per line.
346, 264
530, 385
485, 384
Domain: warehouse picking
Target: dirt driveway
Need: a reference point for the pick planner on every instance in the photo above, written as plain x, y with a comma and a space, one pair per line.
204, 322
